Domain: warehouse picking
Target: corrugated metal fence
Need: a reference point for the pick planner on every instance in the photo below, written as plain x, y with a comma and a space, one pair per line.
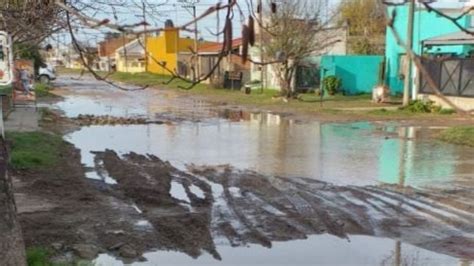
453, 76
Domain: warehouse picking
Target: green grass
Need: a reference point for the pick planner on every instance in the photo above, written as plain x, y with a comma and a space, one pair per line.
38, 257
43, 90
232, 96
34, 150
306, 103
42, 257
458, 135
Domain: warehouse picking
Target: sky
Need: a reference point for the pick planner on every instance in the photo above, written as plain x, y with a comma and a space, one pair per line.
171, 9
174, 10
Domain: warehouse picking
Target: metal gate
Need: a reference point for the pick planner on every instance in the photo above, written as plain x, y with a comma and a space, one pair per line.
453, 76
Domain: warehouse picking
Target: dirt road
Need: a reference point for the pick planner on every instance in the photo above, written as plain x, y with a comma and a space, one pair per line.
209, 182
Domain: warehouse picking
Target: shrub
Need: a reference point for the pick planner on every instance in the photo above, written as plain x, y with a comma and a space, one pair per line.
447, 111
42, 90
332, 84
420, 106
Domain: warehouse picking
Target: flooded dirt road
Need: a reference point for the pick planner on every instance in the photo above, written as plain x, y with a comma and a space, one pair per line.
215, 186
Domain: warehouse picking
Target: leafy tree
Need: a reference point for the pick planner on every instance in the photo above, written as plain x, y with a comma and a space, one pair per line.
366, 22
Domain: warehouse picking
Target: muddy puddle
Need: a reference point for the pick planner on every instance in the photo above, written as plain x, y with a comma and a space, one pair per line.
86, 96
344, 154
285, 193
316, 250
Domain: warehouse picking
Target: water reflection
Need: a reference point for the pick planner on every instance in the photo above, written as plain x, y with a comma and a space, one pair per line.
347, 154
316, 250
414, 159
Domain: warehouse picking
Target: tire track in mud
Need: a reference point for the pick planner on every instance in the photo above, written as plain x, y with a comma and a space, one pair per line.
244, 207
146, 181
380, 211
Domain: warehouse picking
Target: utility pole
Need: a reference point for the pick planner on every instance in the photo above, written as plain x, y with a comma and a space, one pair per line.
260, 36
195, 56
408, 70
196, 46
145, 41
218, 27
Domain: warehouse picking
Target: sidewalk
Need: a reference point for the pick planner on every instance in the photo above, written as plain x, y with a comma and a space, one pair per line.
23, 120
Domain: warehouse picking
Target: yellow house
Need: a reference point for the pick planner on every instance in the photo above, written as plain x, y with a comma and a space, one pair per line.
165, 49
131, 57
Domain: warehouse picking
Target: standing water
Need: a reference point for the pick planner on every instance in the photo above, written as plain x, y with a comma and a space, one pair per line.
354, 154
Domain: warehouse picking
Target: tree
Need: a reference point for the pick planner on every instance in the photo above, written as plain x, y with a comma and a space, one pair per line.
30, 21
295, 30
30, 52
366, 22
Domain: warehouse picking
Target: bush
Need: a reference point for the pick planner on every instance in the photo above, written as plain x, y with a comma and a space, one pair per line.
42, 90
420, 106
332, 84
447, 111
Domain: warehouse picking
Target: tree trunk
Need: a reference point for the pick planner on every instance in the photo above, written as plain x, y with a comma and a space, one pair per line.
12, 249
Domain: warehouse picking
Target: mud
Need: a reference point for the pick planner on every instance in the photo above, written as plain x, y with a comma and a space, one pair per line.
72, 211
138, 204
300, 207
142, 212
88, 120
164, 104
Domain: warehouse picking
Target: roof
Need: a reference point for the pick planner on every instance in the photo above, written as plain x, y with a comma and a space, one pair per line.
134, 48
457, 38
109, 46
217, 47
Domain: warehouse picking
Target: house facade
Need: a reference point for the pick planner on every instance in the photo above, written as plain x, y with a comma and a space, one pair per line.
106, 52
130, 58
427, 25
166, 48
208, 56
74, 60
307, 74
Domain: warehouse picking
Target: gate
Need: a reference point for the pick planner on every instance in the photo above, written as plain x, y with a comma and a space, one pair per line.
453, 76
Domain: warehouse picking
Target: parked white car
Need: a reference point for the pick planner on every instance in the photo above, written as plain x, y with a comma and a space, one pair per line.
46, 74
